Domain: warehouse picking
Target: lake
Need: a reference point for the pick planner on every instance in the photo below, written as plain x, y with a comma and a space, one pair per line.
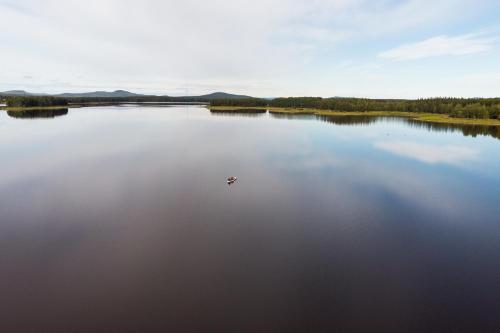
119, 219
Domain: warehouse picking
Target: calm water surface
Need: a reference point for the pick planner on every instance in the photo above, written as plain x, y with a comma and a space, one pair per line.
118, 219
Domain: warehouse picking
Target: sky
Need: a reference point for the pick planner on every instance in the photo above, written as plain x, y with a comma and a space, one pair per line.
271, 48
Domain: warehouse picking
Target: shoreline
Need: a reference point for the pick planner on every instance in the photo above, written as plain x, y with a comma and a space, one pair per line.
91, 104
35, 108
424, 117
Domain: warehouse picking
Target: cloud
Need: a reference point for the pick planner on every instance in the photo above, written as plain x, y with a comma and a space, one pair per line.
431, 154
257, 47
441, 46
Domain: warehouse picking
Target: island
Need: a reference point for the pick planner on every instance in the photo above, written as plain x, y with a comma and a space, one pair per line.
472, 111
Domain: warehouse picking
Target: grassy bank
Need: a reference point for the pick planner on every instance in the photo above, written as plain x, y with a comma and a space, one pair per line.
425, 117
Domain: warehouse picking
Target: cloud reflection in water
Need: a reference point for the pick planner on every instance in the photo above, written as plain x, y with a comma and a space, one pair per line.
427, 153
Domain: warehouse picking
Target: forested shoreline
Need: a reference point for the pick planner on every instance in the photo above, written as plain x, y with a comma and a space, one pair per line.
33, 101
46, 100
472, 108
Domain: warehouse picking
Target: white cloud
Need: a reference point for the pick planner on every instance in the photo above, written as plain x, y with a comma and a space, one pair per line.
431, 154
257, 47
440, 46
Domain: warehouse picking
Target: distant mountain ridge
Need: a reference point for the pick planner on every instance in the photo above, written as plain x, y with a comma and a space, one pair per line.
121, 94
101, 94
19, 93
221, 95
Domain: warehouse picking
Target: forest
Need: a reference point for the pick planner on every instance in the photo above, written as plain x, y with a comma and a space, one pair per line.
473, 108
30, 101
33, 101
476, 108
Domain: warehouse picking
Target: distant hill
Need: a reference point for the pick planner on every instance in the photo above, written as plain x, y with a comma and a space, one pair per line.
221, 95
101, 94
15, 93
124, 94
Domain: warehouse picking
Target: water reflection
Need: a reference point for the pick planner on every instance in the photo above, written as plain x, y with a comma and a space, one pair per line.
158, 104
351, 120
38, 113
429, 153
290, 116
466, 130
126, 224
248, 113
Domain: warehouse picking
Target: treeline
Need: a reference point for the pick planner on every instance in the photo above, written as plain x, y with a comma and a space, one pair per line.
52, 101
32, 101
137, 99
480, 108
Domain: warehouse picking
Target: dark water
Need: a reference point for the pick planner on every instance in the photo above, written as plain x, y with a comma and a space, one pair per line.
119, 219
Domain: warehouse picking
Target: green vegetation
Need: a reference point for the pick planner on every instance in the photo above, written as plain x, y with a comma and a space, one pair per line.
35, 101
38, 108
418, 116
47, 101
474, 108
447, 119
473, 111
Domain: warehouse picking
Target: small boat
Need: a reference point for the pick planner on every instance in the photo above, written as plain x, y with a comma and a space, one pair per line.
231, 180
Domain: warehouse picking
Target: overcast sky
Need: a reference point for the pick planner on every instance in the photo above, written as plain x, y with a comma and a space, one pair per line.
362, 48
